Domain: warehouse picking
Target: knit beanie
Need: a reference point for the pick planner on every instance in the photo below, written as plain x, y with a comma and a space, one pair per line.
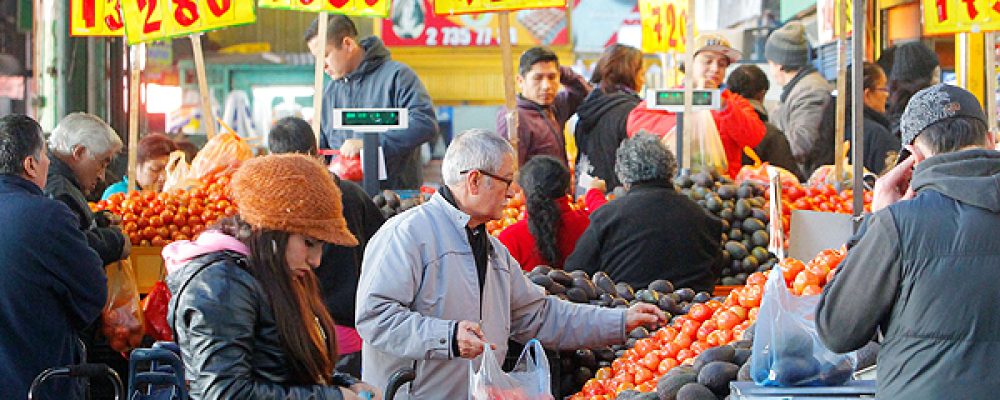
291, 193
913, 61
788, 45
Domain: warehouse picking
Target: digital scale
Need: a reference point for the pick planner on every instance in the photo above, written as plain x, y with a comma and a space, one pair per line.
371, 122
673, 99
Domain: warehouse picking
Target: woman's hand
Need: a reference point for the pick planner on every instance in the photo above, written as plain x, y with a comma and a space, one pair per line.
362, 387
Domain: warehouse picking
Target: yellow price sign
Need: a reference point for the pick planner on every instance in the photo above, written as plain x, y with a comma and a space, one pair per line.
148, 20
455, 7
368, 8
95, 18
663, 25
955, 16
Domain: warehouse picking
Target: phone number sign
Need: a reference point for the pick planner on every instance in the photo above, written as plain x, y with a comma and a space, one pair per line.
149, 20
367, 8
955, 16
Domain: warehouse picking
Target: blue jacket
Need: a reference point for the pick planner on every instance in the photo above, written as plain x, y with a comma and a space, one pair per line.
52, 286
383, 83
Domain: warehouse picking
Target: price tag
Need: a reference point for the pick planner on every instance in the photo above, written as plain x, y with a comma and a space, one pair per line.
368, 8
955, 16
95, 18
148, 20
663, 25
455, 7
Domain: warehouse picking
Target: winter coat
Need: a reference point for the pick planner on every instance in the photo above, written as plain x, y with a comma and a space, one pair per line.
925, 274
651, 233
227, 332
737, 123
52, 286
601, 129
383, 83
774, 148
522, 246
879, 142
540, 128
62, 185
420, 279
801, 109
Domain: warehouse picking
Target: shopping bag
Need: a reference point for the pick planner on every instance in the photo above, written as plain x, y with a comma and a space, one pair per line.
787, 350
347, 168
122, 317
529, 380
177, 172
222, 150
702, 140
154, 312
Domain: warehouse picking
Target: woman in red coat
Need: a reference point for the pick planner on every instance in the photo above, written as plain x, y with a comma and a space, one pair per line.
549, 234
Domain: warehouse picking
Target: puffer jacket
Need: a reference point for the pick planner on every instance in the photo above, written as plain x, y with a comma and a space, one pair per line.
925, 274
228, 336
419, 280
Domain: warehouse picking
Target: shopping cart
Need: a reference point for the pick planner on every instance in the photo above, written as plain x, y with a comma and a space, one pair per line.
89, 371
164, 379
397, 380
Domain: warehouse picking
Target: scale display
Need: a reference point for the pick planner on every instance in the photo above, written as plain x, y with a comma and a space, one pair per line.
673, 99
378, 119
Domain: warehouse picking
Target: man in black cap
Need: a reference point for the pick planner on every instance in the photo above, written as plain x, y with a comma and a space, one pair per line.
924, 271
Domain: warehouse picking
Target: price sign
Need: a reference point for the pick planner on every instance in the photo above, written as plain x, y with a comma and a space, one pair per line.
955, 16
455, 7
95, 18
148, 20
368, 8
663, 25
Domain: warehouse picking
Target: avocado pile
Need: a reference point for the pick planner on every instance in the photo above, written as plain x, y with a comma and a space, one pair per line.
791, 362
391, 204
744, 222
578, 287
709, 377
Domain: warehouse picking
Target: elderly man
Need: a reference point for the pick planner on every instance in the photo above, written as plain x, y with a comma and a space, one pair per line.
81, 147
653, 232
436, 287
51, 283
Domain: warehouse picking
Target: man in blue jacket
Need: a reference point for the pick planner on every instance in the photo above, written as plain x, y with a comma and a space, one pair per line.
364, 76
52, 285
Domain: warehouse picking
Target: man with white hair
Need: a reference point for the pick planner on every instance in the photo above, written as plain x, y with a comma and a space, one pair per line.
436, 287
81, 147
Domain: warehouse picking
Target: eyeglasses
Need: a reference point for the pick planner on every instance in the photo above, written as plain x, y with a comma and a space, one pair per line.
508, 181
883, 89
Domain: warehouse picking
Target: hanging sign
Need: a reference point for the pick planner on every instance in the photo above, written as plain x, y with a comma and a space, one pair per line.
95, 18
956, 16
366, 8
663, 24
455, 7
148, 20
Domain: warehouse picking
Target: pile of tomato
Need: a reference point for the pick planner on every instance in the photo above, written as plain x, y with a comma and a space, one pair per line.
156, 219
705, 326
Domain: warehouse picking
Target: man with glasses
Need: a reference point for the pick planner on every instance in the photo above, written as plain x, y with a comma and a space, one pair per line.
436, 287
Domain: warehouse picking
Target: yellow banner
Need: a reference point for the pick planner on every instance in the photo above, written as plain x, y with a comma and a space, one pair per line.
95, 18
954, 16
455, 7
368, 8
663, 25
149, 20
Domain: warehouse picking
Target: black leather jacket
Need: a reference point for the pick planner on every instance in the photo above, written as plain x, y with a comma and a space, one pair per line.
228, 336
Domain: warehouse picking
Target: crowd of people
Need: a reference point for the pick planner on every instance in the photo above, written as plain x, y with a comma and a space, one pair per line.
309, 292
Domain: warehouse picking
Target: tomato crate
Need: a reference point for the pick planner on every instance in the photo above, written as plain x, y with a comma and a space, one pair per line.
147, 263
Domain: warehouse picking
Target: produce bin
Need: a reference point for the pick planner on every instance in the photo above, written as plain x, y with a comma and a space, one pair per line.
147, 264
723, 290
851, 390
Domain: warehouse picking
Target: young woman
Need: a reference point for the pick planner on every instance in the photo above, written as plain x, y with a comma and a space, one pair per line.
154, 151
246, 310
550, 232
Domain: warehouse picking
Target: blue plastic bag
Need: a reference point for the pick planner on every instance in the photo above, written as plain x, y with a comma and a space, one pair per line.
529, 380
787, 350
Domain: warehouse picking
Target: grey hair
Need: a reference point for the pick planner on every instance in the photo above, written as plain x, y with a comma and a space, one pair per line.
644, 158
82, 129
474, 149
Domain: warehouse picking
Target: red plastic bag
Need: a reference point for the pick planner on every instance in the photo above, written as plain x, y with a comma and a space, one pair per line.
348, 168
154, 310
122, 318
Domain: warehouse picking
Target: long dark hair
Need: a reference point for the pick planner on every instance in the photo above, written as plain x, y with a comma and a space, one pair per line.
823, 147
545, 181
305, 327
900, 92
619, 65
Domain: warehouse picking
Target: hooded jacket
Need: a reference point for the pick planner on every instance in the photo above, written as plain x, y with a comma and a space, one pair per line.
225, 326
382, 82
420, 279
540, 128
601, 129
774, 147
925, 274
801, 109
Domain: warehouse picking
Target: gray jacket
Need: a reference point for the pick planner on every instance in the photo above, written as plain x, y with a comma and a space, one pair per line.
925, 274
801, 110
383, 83
419, 280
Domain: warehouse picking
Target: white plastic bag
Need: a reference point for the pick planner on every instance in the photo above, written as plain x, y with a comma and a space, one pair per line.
703, 142
529, 380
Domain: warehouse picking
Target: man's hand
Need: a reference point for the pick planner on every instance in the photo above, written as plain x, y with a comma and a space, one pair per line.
599, 184
351, 147
894, 185
470, 340
360, 388
706, 83
642, 314
126, 248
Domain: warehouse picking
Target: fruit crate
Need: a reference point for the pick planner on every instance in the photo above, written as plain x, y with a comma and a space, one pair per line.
147, 263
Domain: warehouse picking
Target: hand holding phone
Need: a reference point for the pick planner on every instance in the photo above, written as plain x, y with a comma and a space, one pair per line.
894, 185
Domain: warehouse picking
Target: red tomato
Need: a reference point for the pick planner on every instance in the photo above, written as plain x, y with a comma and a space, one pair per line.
706, 328
700, 312
727, 320
666, 364
650, 361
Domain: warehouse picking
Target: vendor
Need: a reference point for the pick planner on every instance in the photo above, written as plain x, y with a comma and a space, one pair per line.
154, 152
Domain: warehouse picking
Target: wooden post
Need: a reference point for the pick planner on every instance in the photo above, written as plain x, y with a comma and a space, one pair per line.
135, 76
317, 120
510, 99
207, 117
688, 83
991, 80
857, 99
841, 122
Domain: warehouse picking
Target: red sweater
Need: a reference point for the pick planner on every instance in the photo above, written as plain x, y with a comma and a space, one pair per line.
738, 123
521, 244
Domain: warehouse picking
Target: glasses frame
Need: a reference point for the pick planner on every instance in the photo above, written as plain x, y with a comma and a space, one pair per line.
491, 175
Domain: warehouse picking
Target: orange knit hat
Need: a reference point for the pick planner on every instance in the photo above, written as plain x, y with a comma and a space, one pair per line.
291, 193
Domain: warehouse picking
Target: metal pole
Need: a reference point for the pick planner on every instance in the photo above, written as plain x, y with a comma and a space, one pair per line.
510, 99
857, 132
991, 80
841, 122
318, 77
688, 86
133, 114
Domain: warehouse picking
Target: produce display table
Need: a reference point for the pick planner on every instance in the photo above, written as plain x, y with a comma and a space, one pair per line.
147, 263
852, 390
